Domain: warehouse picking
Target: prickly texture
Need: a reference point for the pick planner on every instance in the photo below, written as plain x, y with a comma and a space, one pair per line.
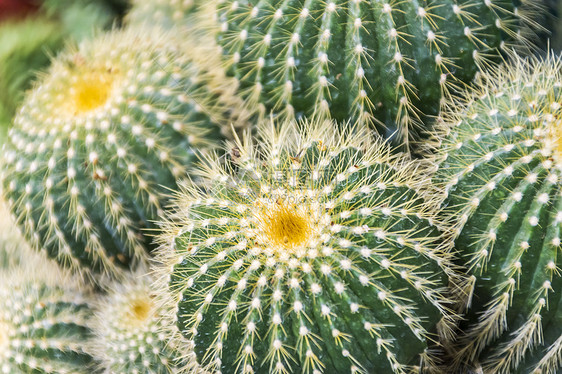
24, 49
501, 162
100, 140
313, 252
128, 330
167, 13
43, 321
382, 62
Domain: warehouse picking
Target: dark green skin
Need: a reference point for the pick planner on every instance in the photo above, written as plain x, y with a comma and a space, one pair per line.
381, 75
362, 346
516, 228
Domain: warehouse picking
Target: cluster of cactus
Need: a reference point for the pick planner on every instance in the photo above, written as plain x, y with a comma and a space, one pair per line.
219, 187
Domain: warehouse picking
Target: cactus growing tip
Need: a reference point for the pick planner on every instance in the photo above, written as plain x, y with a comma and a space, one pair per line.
90, 91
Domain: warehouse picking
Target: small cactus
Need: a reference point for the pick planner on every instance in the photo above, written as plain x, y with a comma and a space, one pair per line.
101, 138
501, 160
128, 330
43, 321
313, 252
384, 62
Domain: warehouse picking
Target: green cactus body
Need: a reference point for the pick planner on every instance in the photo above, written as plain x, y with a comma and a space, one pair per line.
43, 323
25, 45
316, 256
383, 62
501, 162
101, 138
128, 330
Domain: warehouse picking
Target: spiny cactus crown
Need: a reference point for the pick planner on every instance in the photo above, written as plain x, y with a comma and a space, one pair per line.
313, 253
128, 330
43, 321
105, 132
385, 62
501, 165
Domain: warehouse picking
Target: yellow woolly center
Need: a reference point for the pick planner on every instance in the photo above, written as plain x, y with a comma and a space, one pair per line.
285, 226
90, 91
140, 309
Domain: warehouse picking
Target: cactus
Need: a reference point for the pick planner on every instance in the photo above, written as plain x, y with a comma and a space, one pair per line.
43, 321
25, 45
103, 136
317, 255
501, 160
383, 62
128, 330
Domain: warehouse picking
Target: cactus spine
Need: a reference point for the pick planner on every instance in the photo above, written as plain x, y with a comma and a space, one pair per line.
128, 330
501, 162
316, 256
43, 321
101, 138
384, 62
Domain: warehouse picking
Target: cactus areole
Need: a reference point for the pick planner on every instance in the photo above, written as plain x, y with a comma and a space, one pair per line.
388, 63
317, 256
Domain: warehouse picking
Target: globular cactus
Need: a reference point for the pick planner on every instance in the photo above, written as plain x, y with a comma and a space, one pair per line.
128, 328
103, 136
384, 62
26, 44
501, 160
312, 253
43, 321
